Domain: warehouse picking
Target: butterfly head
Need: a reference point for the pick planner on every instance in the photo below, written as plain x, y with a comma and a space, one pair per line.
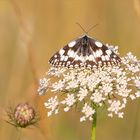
84, 40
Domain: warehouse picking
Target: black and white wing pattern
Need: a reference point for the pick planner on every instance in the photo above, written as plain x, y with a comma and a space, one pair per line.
84, 52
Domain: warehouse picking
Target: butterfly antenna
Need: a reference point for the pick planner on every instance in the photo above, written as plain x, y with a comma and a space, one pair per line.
81, 27
91, 28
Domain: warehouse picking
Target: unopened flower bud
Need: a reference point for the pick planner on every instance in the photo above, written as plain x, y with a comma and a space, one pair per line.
23, 115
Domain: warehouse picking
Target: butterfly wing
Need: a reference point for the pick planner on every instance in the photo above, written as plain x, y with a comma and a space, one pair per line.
84, 52
66, 56
102, 54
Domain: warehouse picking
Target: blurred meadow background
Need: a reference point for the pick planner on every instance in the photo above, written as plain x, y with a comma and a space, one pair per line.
31, 31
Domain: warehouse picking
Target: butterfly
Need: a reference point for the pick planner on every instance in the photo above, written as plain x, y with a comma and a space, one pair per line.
84, 52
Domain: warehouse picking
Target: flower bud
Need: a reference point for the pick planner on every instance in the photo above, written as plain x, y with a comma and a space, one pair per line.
23, 115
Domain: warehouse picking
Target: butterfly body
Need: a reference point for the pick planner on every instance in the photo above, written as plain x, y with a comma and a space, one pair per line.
84, 52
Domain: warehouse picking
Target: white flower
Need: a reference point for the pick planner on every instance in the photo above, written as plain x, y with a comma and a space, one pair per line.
43, 84
131, 62
120, 115
137, 94
97, 97
123, 91
111, 86
56, 71
57, 86
107, 88
69, 101
66, 109
69, 76
131, 57
72, 84
88, 112
92, 81
133, 97
82, 119
82, 93
137, 81
113, 48
52, 104
115, 107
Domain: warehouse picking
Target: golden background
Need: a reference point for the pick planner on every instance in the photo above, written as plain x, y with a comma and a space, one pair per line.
31, 31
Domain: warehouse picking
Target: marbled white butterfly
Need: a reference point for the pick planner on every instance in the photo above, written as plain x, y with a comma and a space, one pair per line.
84, 52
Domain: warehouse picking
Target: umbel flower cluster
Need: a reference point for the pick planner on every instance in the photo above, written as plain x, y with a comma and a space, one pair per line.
109, 86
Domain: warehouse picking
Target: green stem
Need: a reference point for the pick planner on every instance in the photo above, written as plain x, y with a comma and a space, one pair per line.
19, 133
94, 126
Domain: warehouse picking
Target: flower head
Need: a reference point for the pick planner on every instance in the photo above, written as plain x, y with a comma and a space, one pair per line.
110, 85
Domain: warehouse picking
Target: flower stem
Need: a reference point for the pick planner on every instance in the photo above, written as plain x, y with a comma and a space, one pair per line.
94, 126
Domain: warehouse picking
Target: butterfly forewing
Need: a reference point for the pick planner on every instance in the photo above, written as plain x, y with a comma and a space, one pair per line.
84, 52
